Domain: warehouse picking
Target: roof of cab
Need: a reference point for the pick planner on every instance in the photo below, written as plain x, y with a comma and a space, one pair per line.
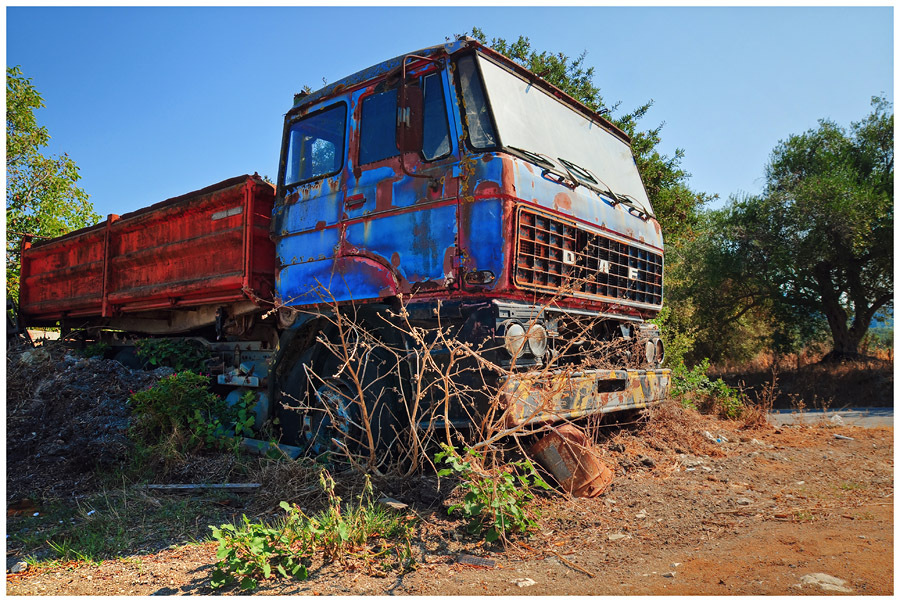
382, 68
305, 100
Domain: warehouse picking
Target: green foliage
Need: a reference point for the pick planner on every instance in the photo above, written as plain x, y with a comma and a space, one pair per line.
41, 195
694, 388
818, 243
364, 531
179, 415
93, 350
178, 354
496, 504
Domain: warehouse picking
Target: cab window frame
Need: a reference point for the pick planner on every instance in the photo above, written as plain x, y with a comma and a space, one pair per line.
289, 126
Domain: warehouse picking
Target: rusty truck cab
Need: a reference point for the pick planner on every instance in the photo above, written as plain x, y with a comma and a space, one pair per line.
455, 182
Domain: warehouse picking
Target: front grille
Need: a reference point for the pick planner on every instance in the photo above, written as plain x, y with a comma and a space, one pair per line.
555, 255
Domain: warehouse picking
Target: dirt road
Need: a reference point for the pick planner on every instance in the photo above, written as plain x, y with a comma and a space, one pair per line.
779, 511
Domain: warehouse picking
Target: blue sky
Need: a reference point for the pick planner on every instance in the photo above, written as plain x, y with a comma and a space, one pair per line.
155, 102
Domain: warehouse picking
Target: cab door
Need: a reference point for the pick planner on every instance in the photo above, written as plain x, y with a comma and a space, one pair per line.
400, 209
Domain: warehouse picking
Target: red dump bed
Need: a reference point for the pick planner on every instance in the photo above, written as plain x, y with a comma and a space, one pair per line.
205, 247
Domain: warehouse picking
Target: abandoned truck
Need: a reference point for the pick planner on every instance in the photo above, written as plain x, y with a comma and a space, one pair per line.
448, 203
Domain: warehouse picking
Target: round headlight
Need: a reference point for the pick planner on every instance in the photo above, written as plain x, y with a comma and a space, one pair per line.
514, 339
537, 340
660, 351
650, 352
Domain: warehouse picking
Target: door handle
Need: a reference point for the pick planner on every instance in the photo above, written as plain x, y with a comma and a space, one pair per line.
354, 201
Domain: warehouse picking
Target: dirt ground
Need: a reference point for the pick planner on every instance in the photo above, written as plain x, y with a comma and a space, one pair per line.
750, 512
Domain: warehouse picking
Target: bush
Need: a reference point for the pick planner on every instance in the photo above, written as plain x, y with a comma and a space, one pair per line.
496, 503
179, 415
694, 389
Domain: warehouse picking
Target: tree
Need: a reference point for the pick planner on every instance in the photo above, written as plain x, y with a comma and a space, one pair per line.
41, 196
819, 240
676, 205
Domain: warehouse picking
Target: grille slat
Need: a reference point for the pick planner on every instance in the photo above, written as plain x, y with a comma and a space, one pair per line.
552, 254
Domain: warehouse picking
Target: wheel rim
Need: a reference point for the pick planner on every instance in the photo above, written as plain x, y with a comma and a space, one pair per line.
327, 427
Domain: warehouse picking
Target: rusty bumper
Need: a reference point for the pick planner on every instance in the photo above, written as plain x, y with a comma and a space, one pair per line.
547, 397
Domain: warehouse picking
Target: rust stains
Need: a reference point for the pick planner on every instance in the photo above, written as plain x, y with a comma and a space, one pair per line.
487, 188
384, 195
562, 202
508, 176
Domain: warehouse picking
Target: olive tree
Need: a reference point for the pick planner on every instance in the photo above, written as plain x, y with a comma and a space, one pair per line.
818, 242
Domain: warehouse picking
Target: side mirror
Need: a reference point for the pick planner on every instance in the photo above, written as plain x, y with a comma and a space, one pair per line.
410, 118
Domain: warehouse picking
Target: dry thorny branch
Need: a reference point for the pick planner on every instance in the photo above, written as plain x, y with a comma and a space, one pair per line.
385, 406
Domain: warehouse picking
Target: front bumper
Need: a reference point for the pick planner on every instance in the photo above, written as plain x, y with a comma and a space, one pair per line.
548, 397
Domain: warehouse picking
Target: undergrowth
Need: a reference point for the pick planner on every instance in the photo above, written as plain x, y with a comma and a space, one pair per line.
178, 354
363, 534
696, 390
179, 415
497, 503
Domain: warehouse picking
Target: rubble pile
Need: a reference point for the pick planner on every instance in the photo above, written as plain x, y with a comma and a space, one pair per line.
66, 416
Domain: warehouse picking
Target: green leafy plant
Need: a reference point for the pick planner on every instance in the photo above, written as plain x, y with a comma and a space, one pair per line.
364, 531
251, 551
178, 354
179, 415
694, 388
496, 503
93, 350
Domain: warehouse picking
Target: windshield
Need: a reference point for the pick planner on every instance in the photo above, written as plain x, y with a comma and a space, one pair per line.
530, 119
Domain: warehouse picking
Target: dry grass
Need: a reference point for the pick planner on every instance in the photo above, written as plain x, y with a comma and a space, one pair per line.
866, 382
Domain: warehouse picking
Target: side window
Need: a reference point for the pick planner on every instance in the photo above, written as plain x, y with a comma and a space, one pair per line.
378, 124
436, 140
378, 118
478, 119
316, 145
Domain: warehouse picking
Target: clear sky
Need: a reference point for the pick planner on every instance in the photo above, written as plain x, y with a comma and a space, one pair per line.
155, 102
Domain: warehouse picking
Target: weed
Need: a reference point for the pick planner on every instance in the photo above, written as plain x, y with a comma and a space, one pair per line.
108, 525
804, 516
364, 532
698, 391
496, 503
97, 349
178, 354
179, 415
851, 486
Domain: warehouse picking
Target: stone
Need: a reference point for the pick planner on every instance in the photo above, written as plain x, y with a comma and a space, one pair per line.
524, 582
669, 575
19, 567
742, 501
616, 536
825, 582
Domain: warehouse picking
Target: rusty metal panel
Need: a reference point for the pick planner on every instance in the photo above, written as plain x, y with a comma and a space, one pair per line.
208, 246
571, 457
541, 397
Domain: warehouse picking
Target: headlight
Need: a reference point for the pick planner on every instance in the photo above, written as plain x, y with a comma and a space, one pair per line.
537, 340
650, 352
514, 339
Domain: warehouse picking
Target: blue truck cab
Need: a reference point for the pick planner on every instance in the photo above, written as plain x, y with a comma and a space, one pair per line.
453, 188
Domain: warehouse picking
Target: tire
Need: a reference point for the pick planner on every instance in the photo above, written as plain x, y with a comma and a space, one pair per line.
329, 420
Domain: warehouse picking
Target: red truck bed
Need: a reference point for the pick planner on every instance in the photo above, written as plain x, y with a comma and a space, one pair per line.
206, 247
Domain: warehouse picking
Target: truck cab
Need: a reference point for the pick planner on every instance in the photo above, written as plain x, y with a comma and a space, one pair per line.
452, 186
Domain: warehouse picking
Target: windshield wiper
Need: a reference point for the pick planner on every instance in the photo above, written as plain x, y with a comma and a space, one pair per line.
632, 203
537, 158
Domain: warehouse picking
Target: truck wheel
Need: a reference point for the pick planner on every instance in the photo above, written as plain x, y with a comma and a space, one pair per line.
329, 419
